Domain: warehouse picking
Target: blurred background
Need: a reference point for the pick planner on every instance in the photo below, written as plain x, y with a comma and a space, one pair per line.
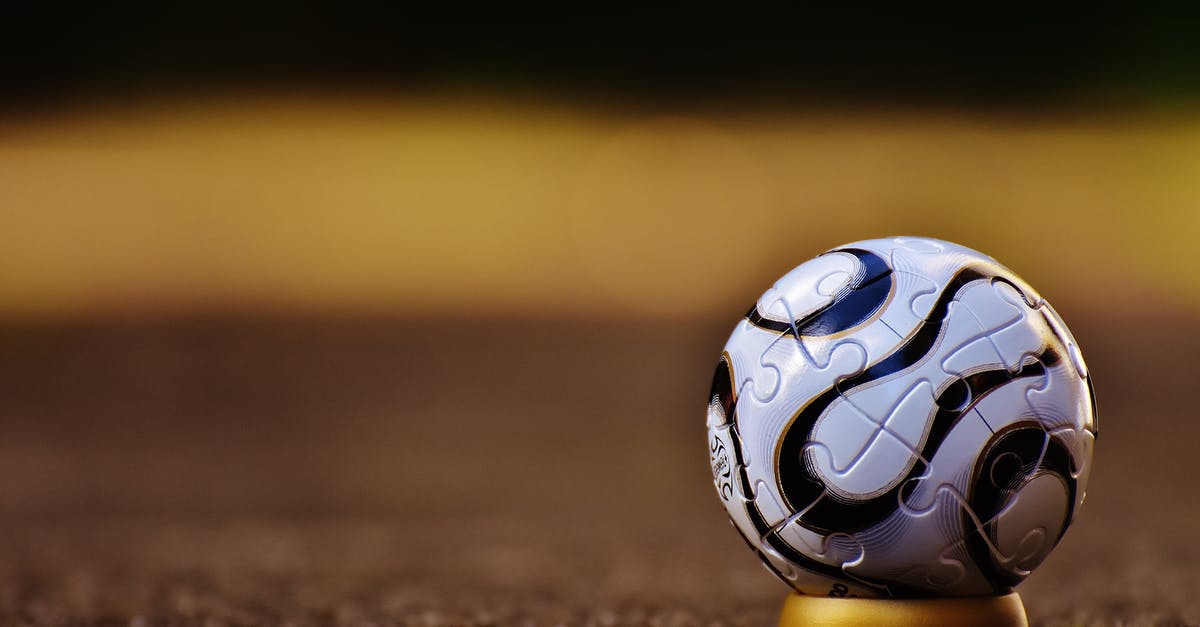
320, 315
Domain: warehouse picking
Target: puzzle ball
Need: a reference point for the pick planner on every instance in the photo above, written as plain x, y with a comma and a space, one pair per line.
901, 417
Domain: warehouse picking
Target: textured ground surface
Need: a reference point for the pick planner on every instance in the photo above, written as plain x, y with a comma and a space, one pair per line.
477, 472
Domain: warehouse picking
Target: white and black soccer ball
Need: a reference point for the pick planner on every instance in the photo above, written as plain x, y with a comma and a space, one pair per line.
901, 417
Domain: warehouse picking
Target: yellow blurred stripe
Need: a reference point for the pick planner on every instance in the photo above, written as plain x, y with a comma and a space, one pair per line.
484, 206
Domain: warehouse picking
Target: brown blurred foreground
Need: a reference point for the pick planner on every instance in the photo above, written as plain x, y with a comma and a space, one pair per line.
476, 471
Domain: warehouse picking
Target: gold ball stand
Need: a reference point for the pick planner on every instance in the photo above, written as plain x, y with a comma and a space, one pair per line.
996, 611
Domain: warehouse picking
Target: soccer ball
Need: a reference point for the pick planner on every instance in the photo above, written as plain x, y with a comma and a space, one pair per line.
901, 417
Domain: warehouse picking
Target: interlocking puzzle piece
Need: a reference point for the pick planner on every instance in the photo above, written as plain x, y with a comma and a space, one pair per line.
758, 511
906, 413
744, 351
827, 558
935, 259
914, 298
949, 568
1017, 344
948, 573
1008, 546
1060, 400
995, 304
834, 284
843, 549
1070, 381
782, 358
1064, 335
939, 494
975, 354
807, 288
746, 455
819, 300
840, 440
908, 281
913, 569
1025, 493
859, 454
789, 359
1023, 534
1020, 292
769, 506
778, 564
761, 420
801, 537
907, 254
821, 351
1080, 444
921, 495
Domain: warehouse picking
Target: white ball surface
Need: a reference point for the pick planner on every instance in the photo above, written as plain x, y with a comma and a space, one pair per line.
901, 417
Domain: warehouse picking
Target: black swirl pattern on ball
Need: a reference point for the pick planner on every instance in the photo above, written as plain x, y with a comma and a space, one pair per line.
799, 483
862, 299
851, 306
721, 394
1092, 403
994, 486
724, 395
